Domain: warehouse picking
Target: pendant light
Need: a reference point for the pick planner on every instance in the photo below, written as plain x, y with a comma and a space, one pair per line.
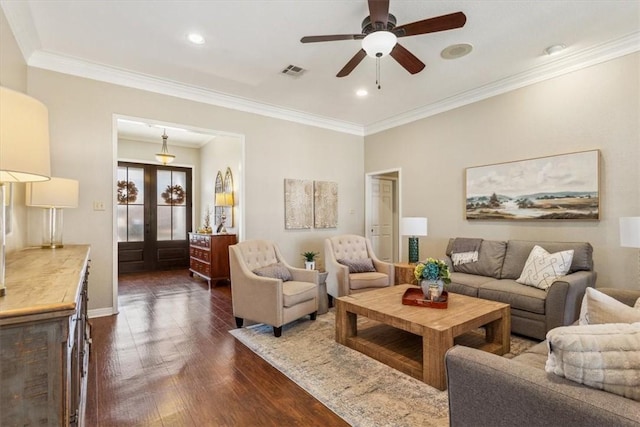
163, 156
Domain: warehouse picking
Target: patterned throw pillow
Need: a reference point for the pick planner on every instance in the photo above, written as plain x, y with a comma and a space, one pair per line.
274, 271
358, 265
543, 268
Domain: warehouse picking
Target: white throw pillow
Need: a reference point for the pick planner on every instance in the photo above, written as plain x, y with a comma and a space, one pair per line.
606, 357
598, 308
543, 268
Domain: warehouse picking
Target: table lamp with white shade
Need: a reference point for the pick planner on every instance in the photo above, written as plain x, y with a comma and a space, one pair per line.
630, 234
53, 195
414, 227
24, 150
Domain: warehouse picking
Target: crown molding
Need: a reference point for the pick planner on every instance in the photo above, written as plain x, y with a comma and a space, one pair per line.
21, 23
76, 67
564, 65
24, 31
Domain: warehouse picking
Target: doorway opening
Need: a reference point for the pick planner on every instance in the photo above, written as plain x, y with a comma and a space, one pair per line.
382, 213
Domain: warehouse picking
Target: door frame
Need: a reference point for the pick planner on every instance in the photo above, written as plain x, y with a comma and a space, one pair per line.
395, 175
240, 193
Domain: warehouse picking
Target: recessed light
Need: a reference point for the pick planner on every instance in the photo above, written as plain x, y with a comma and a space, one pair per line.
196, 38
362, 92
456, 51
553, 49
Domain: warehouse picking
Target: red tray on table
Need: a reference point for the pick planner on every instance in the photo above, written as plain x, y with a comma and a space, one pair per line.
414, 296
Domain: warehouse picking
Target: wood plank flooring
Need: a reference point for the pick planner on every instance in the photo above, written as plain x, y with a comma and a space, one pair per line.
167, 359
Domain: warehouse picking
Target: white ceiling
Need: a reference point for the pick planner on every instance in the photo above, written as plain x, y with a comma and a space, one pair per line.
248, 43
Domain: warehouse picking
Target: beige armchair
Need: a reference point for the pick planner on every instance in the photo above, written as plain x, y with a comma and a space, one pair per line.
355, 250
265, 289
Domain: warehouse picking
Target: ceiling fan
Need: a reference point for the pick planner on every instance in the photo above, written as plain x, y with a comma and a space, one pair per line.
380, 33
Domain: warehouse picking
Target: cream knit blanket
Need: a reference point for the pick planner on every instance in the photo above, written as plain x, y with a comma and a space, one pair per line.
604, 356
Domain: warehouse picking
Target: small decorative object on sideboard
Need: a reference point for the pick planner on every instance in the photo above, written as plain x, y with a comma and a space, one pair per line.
432, 274
206, 223
309, 260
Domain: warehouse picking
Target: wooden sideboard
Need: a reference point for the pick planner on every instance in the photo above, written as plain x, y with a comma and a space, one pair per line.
44, 337
209, 255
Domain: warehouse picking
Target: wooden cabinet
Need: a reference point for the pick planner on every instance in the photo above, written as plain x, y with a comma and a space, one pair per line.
44, 337
209, 255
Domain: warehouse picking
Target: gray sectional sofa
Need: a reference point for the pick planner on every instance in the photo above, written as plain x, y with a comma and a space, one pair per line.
489, 390
533, 311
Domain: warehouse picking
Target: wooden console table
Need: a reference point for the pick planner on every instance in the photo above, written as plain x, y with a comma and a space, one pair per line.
209, 255
44, 337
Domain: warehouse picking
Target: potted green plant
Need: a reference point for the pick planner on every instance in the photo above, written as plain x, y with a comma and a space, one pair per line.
309, 260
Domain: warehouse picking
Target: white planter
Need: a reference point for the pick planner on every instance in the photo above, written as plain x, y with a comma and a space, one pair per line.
310, 265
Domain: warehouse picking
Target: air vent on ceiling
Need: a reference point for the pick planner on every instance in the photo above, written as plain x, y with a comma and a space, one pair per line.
293, 71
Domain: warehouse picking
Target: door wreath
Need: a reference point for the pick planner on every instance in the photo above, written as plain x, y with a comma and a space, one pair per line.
127, 192
173, 195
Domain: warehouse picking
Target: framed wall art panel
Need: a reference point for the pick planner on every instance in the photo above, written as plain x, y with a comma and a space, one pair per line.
298, 204
564, 186
325, 196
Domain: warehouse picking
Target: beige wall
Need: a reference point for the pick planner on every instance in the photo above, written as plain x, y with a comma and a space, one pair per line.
218, 155
81, 114
594, 108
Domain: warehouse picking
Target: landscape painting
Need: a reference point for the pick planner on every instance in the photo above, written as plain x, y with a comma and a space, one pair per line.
564, 187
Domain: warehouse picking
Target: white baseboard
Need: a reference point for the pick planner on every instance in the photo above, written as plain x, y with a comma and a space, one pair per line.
101, 312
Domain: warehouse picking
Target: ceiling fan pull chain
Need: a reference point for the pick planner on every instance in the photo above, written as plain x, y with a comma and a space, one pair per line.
378, 72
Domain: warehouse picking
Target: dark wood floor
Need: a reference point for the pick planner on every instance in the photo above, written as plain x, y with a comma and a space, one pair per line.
167, 359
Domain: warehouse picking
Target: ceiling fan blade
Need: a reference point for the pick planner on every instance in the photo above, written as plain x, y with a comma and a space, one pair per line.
379, 12
432, 25
330, 38
407, 59
353, 63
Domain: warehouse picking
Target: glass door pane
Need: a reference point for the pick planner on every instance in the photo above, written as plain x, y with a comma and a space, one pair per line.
130, 210
171, 205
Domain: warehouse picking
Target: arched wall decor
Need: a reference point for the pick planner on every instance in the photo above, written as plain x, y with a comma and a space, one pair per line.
229, 197
219, 189
224, 201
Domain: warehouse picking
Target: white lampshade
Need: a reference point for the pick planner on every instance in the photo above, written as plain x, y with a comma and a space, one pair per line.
630, 232
379, 43
24, 138
56, 193
414, 226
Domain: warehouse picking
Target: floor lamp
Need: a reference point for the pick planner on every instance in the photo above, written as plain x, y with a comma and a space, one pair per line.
630, 235
53, 196
414, 227
24, 151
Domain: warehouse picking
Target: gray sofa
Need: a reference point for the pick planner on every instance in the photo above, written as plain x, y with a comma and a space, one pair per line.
489, 390
533, 311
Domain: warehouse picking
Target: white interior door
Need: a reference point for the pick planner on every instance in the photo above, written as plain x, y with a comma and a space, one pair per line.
382, 218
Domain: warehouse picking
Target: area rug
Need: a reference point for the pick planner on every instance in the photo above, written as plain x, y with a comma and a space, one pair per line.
361, 390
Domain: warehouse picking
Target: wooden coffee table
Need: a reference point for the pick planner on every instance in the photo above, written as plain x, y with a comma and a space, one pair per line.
414, 339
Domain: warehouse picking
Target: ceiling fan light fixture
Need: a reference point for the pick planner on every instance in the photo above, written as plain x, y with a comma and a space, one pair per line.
379, 43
